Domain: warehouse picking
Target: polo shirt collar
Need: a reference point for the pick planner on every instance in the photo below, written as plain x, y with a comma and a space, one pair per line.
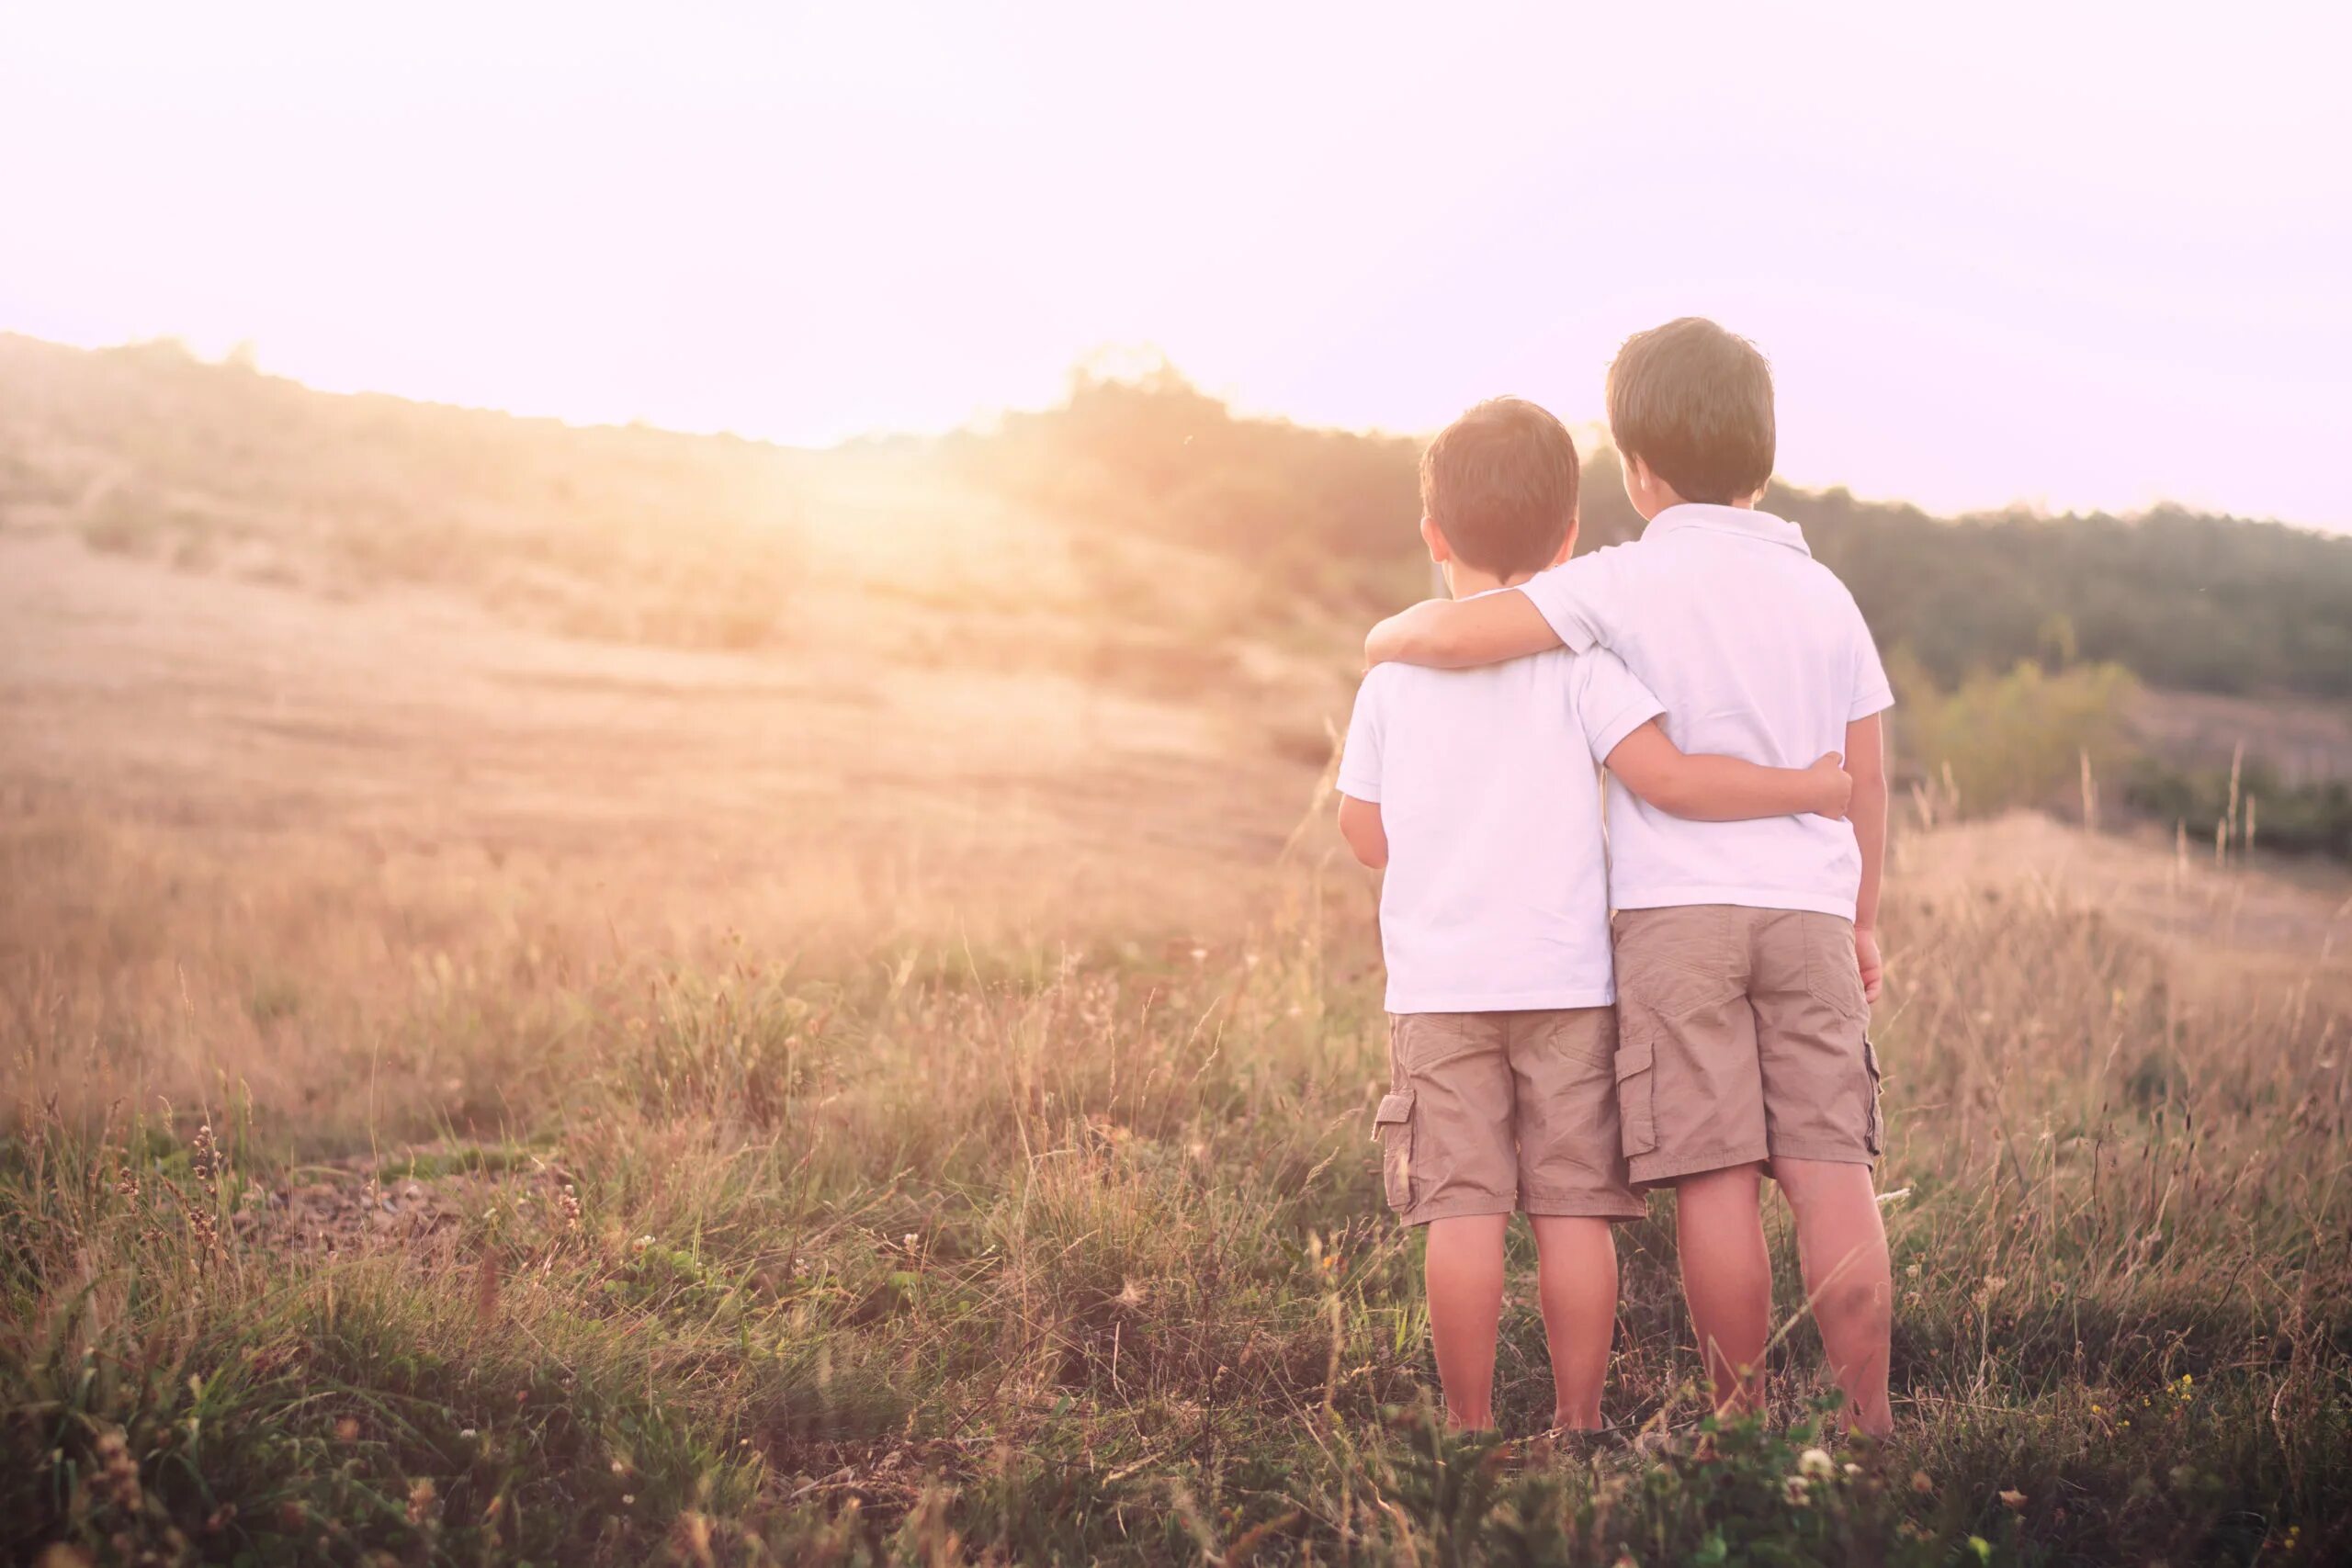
1741, 520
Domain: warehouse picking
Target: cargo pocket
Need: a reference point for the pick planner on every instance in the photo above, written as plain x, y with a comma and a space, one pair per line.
1393, 1125
1875, 1128
1636, 1094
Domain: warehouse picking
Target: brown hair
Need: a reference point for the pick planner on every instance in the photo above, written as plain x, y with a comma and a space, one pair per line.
1694, 404
1501, 483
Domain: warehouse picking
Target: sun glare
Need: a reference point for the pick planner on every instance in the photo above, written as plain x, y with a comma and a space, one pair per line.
1984, 270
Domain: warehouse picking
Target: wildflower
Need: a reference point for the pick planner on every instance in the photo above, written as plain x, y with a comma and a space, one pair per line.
420, 1501
1853, 1470
2013, 1501
469, 1434
1920, 1483
1794, 1488
118, 1477
1913, 1272
1815, 1462
348, 1429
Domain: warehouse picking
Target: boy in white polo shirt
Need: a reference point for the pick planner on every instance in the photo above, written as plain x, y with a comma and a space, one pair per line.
1478, 790
1746, 953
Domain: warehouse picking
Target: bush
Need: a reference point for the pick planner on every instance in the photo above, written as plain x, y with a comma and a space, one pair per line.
1999, 742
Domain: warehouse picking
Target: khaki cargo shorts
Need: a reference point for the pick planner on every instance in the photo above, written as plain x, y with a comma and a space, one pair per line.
1744, 1036
1489, 1112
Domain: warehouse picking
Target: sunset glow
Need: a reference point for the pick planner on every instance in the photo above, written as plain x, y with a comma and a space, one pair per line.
2077, 262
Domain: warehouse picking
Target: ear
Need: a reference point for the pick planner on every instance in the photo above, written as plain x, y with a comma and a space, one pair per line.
1434, 538
1569, 542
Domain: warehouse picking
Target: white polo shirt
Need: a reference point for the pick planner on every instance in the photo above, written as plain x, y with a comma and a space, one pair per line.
1497, 898
1757, 652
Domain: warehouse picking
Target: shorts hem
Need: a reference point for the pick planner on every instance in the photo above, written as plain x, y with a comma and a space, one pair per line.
1601, 1206
1653, 1170
1828, 1154
1458, 1209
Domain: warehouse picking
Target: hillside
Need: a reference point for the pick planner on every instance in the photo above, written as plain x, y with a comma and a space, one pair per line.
1139, 537
608, 997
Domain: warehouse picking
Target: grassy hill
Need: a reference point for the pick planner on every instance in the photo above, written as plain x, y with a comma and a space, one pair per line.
1140, 536
604, 997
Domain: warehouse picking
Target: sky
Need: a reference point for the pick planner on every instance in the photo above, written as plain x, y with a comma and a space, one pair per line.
2069, 256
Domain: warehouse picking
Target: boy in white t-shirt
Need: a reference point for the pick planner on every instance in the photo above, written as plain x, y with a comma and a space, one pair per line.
1478, 790
1746, 952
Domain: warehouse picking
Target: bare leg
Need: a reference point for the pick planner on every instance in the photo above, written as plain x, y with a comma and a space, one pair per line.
1728, 1278
1842, 1245
1465, 1269
1576, 1280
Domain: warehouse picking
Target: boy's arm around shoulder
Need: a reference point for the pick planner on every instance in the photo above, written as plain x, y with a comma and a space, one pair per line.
1450, 634
1705, 787
1553, 609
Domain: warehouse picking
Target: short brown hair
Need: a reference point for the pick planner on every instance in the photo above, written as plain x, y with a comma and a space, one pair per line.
1694, 404
1501, 483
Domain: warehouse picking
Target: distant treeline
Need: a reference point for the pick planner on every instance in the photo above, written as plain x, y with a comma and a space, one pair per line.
2181, 598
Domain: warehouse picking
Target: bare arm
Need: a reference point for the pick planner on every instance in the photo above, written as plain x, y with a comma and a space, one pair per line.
1866, 760
1709, 788
1360, 825
1451, 633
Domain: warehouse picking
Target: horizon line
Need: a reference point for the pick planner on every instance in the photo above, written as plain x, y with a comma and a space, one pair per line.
242, 357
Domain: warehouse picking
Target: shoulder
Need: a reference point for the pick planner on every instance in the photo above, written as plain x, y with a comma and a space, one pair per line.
1385, 686
1608, 562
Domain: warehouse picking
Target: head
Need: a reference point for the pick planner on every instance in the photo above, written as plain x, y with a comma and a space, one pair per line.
1498, 494
1691, 410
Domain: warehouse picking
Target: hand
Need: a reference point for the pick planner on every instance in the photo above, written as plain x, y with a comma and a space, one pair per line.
1832, 785
1866, 957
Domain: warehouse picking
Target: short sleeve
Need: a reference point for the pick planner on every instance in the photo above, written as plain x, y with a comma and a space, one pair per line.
1577, 598
1360, 758
1611, 702
1872, 693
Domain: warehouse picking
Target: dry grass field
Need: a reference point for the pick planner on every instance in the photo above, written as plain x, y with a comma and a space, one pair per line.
592, 997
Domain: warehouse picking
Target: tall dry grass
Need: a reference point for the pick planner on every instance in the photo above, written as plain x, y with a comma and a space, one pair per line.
410, 1220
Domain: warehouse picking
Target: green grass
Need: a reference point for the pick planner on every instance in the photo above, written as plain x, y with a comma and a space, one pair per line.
1079, 1259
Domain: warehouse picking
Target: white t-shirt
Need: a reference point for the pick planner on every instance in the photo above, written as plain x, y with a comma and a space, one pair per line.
1757, 652
1487, 780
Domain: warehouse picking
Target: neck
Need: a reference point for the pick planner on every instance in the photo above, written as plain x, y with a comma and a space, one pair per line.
1664, 497
1463, 579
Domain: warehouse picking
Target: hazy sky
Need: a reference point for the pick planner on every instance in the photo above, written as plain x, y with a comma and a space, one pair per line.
2078, 255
